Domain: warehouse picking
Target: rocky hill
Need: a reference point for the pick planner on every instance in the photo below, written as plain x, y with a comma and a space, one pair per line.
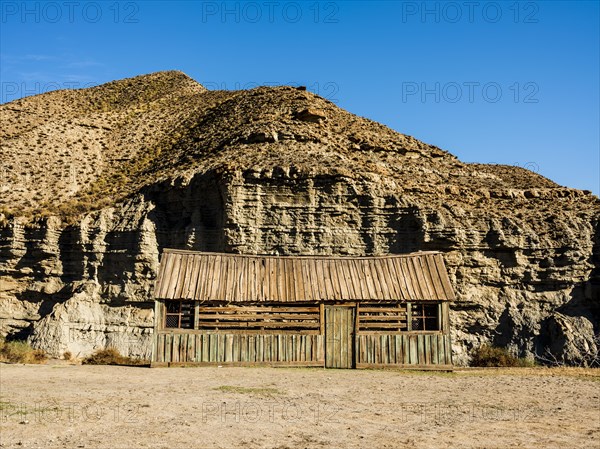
95, 182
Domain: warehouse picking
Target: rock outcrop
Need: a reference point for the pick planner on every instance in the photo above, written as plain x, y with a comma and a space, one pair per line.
161, 162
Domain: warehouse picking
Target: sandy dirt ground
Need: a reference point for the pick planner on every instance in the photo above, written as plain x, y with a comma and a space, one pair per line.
73, 406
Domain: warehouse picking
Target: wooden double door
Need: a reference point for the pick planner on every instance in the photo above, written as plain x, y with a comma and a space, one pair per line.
339, 336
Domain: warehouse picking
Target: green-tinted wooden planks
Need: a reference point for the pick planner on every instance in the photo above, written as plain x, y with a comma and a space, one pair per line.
403, 349
238, 348
337, 347
339, 337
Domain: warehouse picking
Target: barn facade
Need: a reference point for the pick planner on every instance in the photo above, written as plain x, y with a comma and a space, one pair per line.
325, 311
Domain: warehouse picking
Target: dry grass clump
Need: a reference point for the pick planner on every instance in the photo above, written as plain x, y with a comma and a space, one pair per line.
20, 352
491, 356
261, 391
110, 356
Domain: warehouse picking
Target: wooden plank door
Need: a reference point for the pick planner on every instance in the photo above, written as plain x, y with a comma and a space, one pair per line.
339, 337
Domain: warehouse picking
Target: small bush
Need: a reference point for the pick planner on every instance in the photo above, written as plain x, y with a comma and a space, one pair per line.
110, 356
488, 356
67, 355
20, 352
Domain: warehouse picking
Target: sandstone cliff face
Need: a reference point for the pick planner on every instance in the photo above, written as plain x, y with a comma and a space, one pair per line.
281, 171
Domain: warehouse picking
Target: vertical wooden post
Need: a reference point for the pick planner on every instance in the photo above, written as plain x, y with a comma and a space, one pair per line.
154, 355
356, 355
446, 317
322, 317
409, 316
196, 313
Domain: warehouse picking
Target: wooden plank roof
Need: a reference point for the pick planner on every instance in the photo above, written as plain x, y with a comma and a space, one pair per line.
189, 275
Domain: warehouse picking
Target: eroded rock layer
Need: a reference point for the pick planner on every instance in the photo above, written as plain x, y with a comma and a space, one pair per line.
275, 171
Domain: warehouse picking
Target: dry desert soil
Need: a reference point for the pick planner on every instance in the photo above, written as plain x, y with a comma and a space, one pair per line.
74, 406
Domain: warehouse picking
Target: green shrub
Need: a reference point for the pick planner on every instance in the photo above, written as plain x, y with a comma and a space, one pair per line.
20, 352
110, 356
487, 355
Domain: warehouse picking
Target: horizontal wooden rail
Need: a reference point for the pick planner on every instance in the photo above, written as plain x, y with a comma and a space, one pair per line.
382, 318
264, 324
212, 309
382, 326
362, 309
260, 316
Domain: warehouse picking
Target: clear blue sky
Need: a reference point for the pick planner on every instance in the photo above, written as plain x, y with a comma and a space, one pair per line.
506, 82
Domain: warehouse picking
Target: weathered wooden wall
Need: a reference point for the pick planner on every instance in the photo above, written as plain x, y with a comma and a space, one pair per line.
339, 336
268, 349
423, 349
332, 336
371, 350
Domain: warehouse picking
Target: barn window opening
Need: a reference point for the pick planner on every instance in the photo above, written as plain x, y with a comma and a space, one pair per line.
425, 317
179, 314
291, 319
382, 318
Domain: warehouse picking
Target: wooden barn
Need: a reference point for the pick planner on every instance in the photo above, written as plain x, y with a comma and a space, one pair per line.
333, 312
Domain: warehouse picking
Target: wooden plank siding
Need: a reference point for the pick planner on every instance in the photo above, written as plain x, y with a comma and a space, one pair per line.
224, 348
339, 336
187, 275
371, 350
